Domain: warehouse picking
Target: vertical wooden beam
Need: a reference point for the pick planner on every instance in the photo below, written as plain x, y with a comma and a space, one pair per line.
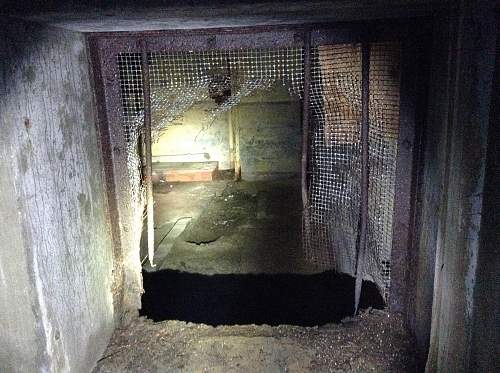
365, 127
305, 126
148, 169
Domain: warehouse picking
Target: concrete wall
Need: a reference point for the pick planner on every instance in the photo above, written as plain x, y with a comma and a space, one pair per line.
269, 128
485, 343
454, 180
21, 340
191, 139
266, 124
430, 189
55, 254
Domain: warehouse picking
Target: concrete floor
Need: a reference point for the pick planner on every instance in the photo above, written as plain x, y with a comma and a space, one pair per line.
224, 227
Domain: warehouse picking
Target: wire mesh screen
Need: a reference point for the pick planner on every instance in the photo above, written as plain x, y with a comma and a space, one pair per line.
132, 105
335, 164
383, 141
179, 80
335, 158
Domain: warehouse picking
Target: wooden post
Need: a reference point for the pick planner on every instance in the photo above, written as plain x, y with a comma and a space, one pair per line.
148, 154
365, 126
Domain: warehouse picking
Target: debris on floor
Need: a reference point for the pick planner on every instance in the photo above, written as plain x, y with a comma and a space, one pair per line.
236, 227
375, 341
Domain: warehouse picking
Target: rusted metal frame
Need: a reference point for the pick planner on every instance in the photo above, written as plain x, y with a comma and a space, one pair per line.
274, 36
126, 286
108, 169
344, 31
147, 156
404, 194
365, 128
348, 33
206, 42
236, 30
210, 42
110, 44
306, 96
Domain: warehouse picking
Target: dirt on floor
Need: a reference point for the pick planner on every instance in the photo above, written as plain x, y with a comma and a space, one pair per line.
205, 231
235, 227
375, 341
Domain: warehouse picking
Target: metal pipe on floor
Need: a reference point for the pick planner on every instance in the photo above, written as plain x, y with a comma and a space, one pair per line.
365, 127
148, 169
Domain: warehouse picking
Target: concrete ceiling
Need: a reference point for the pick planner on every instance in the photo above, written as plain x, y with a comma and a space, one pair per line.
137, 18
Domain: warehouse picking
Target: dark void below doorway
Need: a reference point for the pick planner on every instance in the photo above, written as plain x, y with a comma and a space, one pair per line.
273, 299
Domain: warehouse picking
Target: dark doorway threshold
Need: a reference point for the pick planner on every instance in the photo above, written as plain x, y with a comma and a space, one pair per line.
238, 299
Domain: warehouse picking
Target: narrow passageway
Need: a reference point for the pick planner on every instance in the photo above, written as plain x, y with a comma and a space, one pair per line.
282, 162
257, 187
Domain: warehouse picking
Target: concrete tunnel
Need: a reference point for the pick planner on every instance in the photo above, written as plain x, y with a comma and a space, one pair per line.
250, 187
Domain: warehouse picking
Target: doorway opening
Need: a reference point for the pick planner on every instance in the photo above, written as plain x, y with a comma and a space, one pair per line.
271, 173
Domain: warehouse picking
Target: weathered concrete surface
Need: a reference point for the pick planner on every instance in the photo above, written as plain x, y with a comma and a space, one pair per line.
242, 227
269, 127
191, 139
21, 345
127, 15
56, 257
431, 180
485, 345
458, 245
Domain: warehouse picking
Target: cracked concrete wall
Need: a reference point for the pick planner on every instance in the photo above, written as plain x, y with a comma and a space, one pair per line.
56, 255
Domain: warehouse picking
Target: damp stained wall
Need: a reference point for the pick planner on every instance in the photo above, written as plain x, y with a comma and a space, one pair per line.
55, 244
267, 126
193, 138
